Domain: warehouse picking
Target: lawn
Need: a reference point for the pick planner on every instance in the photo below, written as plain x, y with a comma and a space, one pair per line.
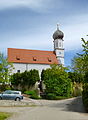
3, 115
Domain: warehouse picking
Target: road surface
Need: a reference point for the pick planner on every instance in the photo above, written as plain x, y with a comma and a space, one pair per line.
71, 109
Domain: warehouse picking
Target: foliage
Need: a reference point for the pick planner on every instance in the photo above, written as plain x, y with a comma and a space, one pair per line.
3, 115
77, 89
75, 77
34, 76
33, 94
30, 92
85, 91
4, 87
5, 69
80, 65
51, 96
85, 96
25, 80
56, 81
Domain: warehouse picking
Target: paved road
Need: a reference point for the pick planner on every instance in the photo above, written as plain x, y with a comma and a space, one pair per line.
71, 109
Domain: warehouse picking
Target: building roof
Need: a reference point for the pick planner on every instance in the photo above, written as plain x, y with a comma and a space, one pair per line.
31, 56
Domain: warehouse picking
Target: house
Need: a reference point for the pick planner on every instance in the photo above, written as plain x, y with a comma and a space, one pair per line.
24, 59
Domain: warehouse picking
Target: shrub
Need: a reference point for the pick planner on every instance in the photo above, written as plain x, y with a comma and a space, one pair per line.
4, 87
33, 94
77, 89
56, 82
85, 96
23, 81
30, 92
51, 96
85, 91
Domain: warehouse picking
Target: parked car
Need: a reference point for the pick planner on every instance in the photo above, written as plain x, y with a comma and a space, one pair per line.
11, 95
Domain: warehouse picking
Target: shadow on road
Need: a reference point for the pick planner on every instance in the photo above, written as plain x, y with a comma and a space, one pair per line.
76, 105
72, 105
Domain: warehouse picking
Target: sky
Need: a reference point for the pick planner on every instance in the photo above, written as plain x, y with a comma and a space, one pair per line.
30, 24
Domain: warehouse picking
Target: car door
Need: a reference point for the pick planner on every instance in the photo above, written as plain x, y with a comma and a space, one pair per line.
6, 95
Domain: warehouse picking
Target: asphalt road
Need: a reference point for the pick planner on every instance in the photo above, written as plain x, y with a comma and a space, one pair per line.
71, 109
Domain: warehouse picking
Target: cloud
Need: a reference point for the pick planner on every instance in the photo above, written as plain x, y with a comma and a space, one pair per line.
32, 4
74, 30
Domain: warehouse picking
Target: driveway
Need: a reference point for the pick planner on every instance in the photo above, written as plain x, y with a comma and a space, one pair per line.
71, 109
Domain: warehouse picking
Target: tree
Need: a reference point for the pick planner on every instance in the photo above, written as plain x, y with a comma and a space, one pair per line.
56, 81
25, 80
5, 69
75, 77
80, 63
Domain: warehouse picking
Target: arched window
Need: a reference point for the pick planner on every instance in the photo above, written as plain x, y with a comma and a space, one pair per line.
56, 44
59, 44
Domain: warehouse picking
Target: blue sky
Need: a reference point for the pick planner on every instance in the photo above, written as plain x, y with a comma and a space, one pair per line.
30, 24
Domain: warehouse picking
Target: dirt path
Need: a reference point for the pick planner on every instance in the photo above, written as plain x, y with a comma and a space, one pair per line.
71, 109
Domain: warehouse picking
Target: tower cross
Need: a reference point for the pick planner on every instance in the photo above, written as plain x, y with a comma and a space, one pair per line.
57, 26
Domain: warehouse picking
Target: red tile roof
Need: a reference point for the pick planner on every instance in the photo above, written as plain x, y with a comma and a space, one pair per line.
31, 56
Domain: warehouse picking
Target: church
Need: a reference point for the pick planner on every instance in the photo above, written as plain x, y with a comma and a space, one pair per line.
26, 59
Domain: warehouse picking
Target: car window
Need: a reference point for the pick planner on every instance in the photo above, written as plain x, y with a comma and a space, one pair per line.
7, 92
15, 92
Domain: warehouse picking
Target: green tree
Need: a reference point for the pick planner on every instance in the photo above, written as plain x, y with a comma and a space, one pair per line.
56, 81
5, 69
34, 76
25, 80
80, 63
75, 77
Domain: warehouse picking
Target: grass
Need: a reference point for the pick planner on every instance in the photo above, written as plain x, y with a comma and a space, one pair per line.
4, 115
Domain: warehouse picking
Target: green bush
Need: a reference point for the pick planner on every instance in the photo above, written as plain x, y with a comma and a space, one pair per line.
77, 89
85, 96
23, 81
33, 94
4, 87
51, 96
56, 82
30, 92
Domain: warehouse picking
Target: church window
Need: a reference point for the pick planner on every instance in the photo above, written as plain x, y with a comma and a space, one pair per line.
56, 44
17, 58
34, 59
59, 44
18, 71
49, 59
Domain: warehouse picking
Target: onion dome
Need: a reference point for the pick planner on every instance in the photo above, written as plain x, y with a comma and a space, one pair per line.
58, 34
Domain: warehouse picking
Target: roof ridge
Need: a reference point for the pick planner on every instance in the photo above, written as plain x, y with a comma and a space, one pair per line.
30, 49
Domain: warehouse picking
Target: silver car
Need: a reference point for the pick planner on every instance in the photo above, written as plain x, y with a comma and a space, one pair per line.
11, 95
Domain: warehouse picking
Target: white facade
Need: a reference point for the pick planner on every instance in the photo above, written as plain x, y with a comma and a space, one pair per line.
21, 67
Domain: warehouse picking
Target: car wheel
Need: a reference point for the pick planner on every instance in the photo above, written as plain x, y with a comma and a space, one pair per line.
0, 98
17, 99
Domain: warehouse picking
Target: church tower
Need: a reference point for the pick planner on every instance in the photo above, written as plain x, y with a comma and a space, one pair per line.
58, 45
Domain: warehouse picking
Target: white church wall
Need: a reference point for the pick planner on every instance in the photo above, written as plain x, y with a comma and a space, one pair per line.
39, 67
19, 66
22, 67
